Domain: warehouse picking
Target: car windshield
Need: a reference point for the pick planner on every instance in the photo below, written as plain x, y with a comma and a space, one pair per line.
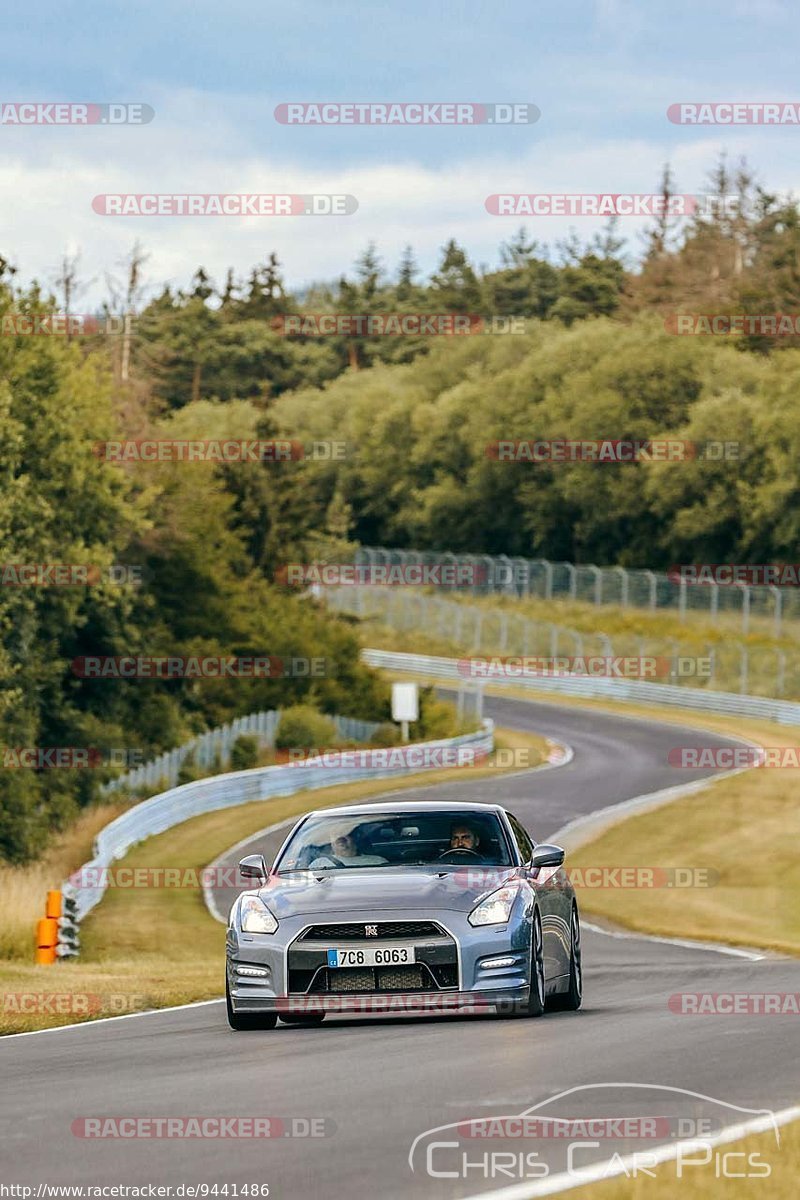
401, 839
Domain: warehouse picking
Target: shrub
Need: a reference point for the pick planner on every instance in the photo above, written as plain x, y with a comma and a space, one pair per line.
387, 734
244, 753
302, 727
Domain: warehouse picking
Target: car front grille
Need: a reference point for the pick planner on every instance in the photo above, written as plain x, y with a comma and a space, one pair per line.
435, 969
416, 978
357, 932
352, 981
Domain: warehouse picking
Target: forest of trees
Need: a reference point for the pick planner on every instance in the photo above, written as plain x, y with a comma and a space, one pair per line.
417, 414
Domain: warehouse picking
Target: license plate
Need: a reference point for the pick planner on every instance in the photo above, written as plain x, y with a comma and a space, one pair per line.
375, 956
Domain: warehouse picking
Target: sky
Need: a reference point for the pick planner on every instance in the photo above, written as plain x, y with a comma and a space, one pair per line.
602, 73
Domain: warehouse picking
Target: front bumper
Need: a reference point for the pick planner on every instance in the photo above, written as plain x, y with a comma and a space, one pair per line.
452, 973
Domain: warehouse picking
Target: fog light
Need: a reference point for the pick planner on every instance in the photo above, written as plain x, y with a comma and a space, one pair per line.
490, 963
259, 972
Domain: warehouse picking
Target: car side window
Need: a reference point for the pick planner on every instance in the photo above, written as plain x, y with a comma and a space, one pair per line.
523, 841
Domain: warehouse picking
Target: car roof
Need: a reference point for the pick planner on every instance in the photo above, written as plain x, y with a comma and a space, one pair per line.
421, 806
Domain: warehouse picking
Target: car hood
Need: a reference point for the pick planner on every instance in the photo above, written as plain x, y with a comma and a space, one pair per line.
363, 890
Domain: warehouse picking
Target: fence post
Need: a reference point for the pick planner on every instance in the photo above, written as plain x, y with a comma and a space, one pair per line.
548, 579
778, 595
745, 607
598, 582
503, 630
713, 608
651, 575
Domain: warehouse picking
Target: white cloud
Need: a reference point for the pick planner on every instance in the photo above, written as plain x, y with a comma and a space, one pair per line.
47, 184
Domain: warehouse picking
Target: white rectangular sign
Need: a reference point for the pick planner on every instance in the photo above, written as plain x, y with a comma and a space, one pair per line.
405, 702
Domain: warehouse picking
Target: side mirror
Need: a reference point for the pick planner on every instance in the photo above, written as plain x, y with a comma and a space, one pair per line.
254, 867
545, 855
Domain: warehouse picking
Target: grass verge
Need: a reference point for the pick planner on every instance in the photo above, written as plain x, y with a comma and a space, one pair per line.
717, 1177
23, 889
152, 947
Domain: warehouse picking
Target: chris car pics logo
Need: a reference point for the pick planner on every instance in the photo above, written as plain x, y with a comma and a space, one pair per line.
599, 1131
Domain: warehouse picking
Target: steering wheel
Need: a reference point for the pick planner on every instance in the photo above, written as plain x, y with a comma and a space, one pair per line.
456, 856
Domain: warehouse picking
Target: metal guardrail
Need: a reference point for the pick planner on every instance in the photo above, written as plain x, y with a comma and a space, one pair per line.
626, 586
781, 711
178, 804
216, 745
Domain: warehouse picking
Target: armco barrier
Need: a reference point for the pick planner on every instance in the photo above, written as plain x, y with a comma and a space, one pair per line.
783, 712
224, 791
216, 745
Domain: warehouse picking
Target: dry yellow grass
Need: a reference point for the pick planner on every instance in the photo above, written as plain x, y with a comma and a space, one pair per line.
23, 889
709, 1182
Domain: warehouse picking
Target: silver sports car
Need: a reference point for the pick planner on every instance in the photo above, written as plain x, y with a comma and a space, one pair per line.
404, 907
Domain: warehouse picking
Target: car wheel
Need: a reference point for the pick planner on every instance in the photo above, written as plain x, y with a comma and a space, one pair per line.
534, 1007
242, 1021
570, 1000
302, 1018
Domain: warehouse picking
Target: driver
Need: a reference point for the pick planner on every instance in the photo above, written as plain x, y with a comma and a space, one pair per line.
344, 849
464, 839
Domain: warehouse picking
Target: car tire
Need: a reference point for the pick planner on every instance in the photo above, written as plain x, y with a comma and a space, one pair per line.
302, 1018
243, 1021
535, 1004
571, 999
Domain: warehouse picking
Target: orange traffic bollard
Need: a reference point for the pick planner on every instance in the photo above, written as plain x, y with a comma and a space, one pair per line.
52, 907
46, 940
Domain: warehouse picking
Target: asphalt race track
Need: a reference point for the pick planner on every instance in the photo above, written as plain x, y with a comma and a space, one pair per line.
383, 1082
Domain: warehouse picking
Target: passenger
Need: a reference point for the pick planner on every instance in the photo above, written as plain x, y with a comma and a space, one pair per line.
344, 848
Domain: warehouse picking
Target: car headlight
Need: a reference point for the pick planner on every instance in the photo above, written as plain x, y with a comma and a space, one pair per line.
495, 909
255, 917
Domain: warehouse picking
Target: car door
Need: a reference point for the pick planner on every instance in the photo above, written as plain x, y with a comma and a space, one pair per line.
550, 893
